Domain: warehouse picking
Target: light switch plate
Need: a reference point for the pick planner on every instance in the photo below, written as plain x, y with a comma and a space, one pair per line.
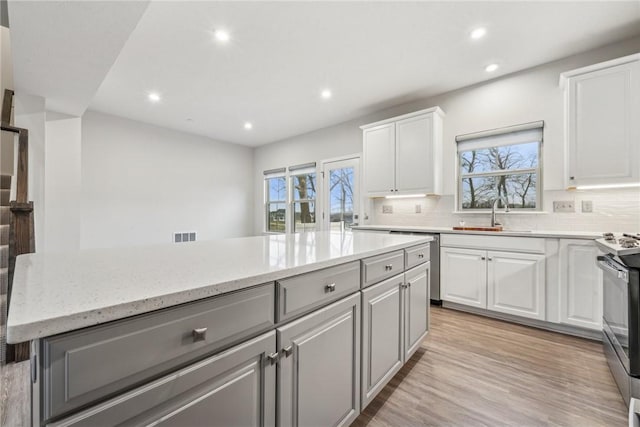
567, 206
587, 206
387, 209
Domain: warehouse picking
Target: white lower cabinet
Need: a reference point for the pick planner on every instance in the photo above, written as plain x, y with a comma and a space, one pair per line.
580, 284
319, 368
234, 388
463, 276
516, 284
382, 333
395, 320
416, 308
506, 282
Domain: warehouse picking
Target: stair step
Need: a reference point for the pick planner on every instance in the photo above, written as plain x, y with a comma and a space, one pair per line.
5, 215
5, 182
4, 234
4, 197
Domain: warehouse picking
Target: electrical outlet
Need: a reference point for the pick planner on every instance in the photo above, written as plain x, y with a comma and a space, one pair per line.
418, 208
387, 209
587, 206
564, 206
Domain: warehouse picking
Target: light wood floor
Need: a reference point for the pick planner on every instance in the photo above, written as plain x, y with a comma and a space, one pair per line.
475, 371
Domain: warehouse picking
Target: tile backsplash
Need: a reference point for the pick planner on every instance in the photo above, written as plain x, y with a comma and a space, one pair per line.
612, 210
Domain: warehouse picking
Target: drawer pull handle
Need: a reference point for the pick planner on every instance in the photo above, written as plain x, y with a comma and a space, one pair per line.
388, 267
482, 258
489, 259
420, 255
287, 351
330, 288
199, 334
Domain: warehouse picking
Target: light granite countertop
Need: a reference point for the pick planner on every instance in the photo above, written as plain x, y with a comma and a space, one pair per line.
55, 293
507, 232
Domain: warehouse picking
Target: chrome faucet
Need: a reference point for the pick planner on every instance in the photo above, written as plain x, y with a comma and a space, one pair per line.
493, 209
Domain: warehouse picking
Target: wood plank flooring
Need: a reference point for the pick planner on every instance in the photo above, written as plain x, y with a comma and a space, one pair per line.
476, 371
15, 401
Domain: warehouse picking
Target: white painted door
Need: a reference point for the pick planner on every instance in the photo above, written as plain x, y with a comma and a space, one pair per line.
603, 128
416, 308
516, 284
319, 379
341, 184
414, 155
382, 335
580, 284
463, 276
379, 160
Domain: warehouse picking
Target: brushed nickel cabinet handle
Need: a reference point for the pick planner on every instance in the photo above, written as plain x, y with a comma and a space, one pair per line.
287, 351
330, 288
482, 258
273, 358
420, 255
199, 334
388, 267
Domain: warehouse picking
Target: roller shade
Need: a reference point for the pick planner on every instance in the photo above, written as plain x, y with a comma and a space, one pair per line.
519, 134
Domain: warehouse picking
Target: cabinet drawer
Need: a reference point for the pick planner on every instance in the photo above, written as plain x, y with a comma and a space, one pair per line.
494, 243
300, 294
380, 267
197, 394
83, 366
416, 255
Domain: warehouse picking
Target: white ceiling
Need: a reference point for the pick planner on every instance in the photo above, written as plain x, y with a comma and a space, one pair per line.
372, 55
63, 50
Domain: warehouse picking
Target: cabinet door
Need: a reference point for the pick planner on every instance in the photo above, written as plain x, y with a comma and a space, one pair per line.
382, 335
414, 155
416, 308
379, 160
234, 388
516, 284
580, 284
603, 129
463, 276
319, 380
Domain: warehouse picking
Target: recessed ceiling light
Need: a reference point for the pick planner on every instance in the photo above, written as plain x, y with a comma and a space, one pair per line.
326, 94
491, 68
478, 33
154, 97
222, 36
248, 125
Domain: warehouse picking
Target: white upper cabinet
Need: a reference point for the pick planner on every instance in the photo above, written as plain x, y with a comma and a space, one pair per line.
403, 155
602, 129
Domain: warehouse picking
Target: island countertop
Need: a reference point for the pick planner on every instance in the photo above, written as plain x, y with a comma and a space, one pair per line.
60, 292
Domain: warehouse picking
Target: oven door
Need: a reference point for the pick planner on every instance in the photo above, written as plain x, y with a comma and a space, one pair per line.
616, 306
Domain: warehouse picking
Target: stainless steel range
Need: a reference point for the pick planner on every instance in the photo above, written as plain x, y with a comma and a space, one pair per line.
621, 312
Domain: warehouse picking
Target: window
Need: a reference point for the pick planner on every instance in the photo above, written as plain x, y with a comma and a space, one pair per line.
500, 164
275, 184
303, 200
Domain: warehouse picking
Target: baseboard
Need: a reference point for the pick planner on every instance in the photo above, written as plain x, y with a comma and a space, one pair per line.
555, 327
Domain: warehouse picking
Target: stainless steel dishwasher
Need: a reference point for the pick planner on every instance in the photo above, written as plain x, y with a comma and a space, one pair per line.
435, 264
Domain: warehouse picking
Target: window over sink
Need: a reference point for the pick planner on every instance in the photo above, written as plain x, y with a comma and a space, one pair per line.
503, 164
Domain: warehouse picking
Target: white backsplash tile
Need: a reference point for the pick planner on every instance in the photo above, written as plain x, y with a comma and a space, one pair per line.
613, 210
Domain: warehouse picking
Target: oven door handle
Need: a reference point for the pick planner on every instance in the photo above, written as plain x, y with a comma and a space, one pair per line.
605, 264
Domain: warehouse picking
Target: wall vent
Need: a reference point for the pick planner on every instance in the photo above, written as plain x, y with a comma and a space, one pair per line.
184, 236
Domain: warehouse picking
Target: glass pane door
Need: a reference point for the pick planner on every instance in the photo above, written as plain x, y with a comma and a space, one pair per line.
341, 183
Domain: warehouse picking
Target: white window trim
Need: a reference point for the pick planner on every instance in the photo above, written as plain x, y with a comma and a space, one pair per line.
501, 135
265, 203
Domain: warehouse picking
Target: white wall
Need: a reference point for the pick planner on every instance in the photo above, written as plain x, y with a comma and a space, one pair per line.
30, 114
141, 183
62, 215
521, 97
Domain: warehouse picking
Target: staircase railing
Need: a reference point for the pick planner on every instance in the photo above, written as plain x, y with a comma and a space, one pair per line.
21, 228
